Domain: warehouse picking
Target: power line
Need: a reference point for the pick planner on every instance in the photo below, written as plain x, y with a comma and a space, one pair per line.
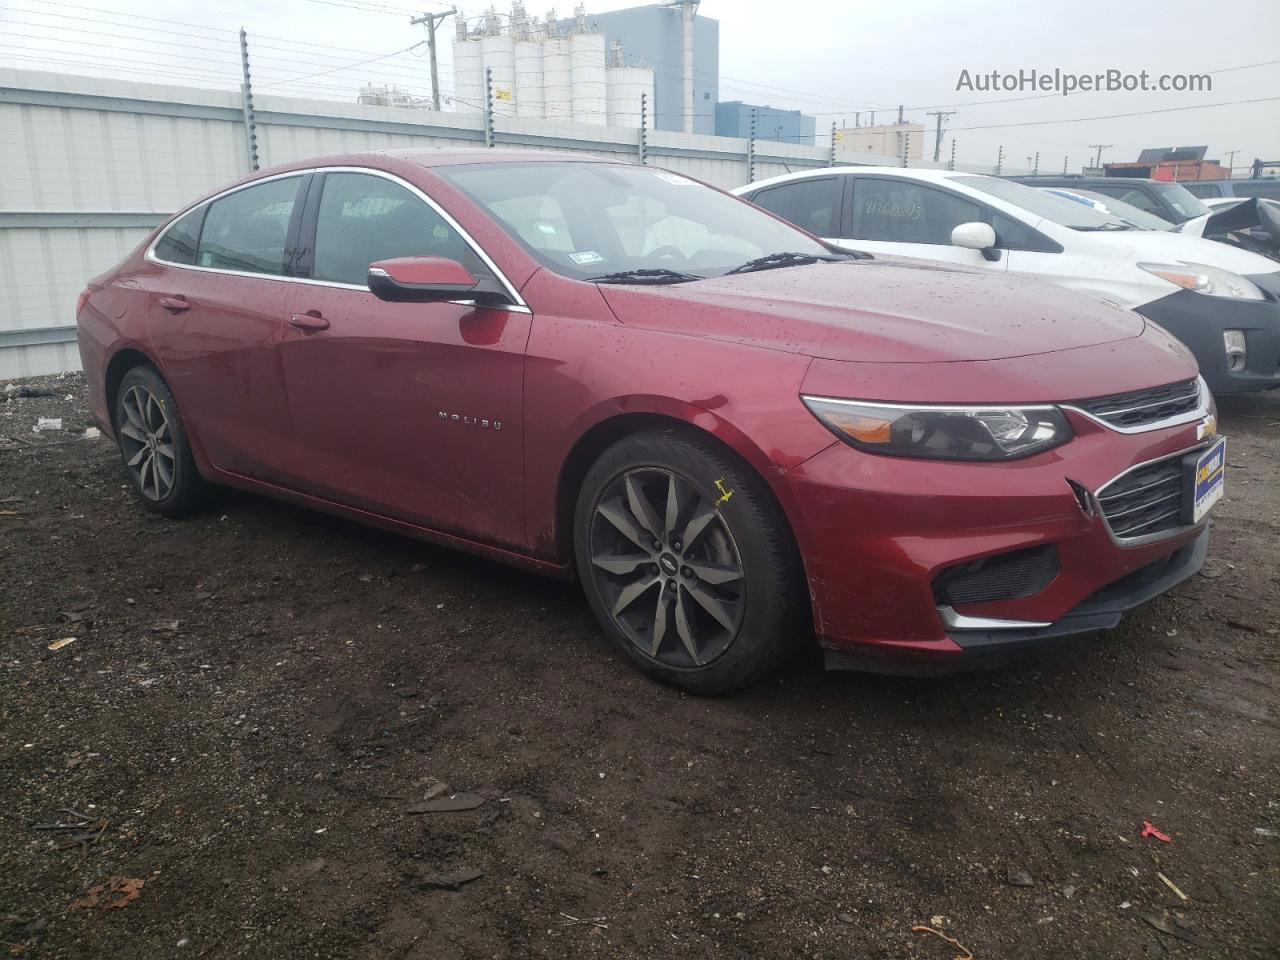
1118, 116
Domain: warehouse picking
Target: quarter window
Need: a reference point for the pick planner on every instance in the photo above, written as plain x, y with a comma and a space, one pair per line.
178, 243
247, 230
902, 212
812, 205
363, 219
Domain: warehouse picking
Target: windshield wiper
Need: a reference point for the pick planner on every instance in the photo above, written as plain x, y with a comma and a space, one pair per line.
649, 275
771, 261
1106, 227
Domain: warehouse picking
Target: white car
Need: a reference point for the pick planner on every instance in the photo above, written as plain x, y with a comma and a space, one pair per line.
1222, 302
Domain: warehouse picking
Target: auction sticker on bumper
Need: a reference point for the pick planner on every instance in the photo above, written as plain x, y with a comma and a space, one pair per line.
1207, 479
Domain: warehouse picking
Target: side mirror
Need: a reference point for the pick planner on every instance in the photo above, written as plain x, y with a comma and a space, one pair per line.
429, 280
976, 236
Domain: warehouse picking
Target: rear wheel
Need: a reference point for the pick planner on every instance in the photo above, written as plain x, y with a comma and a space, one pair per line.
688, 562
153, 444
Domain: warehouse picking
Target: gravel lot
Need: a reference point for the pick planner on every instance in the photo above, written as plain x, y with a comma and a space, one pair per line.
256, 699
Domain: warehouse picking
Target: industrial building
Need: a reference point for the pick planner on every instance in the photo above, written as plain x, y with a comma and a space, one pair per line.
1170, 163
592, 69
733, 119
886, 139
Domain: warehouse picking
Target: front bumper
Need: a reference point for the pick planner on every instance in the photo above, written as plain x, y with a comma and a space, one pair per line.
878, 532
1199, 322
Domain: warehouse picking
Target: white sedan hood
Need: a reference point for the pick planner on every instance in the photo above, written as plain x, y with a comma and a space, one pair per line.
1153, 246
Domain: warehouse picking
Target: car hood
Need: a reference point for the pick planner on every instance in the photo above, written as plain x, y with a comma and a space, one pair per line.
1156, 246
887, 310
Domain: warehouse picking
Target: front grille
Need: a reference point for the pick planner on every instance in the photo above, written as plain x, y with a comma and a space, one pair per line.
1146, 501
1006, 576
1139, 408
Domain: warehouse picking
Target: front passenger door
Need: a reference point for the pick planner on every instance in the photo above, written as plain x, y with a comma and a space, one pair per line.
410, 410
912, 219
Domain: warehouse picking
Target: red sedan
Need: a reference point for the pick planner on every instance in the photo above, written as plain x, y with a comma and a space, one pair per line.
734, 435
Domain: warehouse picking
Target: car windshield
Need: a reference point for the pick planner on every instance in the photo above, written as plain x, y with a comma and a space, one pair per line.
1186, 203
1127, 211
610, 220
1041, 203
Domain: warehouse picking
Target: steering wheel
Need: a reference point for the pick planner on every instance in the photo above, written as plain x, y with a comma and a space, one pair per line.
668, 252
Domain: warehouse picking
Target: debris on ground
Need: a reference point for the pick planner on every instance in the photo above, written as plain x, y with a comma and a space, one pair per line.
1150, 831
967, 955
1019, 878
449, 881
1173, 928
1172, 886
447, 804
59, 644
571, 921
114, 893
45, 424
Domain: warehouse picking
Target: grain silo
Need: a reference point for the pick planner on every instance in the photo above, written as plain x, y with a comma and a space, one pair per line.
557, 78
499, 53
590, 87
530, 88
468, 73
626, 84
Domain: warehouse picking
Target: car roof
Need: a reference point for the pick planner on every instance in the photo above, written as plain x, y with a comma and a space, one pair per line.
909, 173
451, 156
1061, 180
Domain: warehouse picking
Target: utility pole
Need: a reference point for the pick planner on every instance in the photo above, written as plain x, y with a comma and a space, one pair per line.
246, 104
1231, 161
1099, 147
937, 140
430, 21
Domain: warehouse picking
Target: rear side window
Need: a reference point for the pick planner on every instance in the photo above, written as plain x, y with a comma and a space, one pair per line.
1203, 190
363, 219
900, 211
1269, 190
812, 205
247, 230
178, 243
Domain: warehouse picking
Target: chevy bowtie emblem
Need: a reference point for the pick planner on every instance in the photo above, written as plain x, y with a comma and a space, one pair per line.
470, 421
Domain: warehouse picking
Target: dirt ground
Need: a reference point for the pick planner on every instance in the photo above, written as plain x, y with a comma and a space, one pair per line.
256, 699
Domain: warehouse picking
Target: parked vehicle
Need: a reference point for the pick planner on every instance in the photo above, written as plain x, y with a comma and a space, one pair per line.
1222, 302
1125, 211
1170, 201
1267, 188
726, 429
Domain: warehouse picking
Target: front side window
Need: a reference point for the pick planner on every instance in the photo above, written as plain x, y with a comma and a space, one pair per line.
247, 230
1013, 234
901, 211
812, 205
178, 243
1267, 190
585, 219
364, 218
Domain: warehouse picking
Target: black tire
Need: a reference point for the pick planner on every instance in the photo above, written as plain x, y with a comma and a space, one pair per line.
767, 598
173, 486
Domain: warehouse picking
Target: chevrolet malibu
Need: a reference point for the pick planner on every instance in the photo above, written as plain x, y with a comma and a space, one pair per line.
734, 435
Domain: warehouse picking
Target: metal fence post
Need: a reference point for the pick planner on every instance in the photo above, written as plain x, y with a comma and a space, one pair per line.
1035, 170
951, 164
906, 147
246, 103
831, 159
999, 159
488, 107
644, 127
751, 150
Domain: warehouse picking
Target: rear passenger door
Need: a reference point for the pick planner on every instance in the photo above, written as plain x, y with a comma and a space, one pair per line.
813, 204
215, 312
912, 219
412, 410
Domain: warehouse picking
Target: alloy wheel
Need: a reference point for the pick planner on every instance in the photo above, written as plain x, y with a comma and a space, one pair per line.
667, 567
146, 437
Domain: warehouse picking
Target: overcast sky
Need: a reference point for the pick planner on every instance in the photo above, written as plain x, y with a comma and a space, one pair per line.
830, 59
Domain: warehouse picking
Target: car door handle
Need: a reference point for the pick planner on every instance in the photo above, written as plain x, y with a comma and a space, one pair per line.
308, 322
175, 304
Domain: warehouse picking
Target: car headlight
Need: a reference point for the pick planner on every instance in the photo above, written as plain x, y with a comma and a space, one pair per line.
1202, 278
943, 432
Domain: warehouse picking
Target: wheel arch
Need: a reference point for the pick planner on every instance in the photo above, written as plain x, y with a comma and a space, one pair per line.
121, 362
692, 421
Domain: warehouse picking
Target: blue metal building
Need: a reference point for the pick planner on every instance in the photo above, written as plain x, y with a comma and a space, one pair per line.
733, 119
652, 36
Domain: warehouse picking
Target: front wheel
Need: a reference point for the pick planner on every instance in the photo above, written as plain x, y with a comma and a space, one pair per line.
688, 562
154, 446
